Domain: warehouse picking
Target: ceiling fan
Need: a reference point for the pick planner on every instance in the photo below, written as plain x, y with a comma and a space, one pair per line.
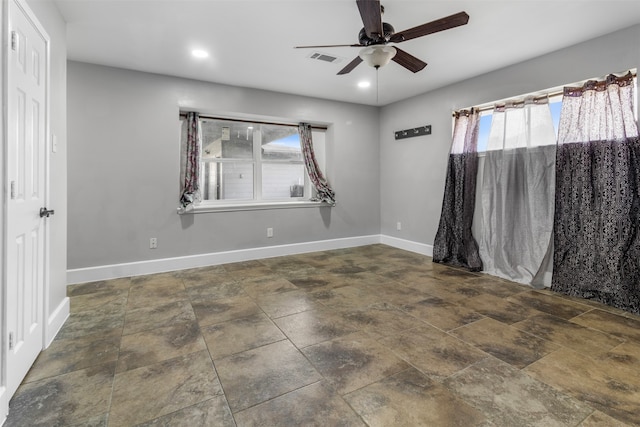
376, 35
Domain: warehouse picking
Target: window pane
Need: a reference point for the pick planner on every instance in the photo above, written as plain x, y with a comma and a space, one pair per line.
227, 181
227, 140
282, 180
280, 143
556, 108
483, 131
210, 178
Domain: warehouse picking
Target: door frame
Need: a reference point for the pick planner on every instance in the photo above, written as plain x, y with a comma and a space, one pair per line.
4, 399
5, 25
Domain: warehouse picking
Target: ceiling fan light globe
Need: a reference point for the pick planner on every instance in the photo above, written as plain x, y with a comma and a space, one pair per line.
377, 56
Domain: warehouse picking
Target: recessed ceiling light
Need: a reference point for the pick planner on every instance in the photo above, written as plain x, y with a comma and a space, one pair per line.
364, 84
199, 53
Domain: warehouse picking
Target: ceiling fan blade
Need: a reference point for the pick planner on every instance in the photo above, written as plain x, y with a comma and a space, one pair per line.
327, 45
408, 61
371, 17
350, 66
441, 24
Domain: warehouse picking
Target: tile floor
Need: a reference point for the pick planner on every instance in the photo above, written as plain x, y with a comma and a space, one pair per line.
365, 336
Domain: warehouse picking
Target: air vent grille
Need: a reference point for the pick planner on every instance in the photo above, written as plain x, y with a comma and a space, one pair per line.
325, 57
322, 57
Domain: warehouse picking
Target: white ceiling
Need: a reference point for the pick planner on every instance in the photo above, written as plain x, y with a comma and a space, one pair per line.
251, 42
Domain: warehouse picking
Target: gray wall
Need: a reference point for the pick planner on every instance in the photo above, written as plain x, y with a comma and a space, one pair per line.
52, 21
123, 156
123, 169
413, 170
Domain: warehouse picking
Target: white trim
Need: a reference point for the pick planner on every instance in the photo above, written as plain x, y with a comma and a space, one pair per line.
56, 320
47, 171
4, 395
407, 245
250, 206
4, 405
114, 271
106, 272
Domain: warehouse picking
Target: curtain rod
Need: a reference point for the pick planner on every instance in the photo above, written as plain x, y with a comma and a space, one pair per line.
513, 101
521, 101
261, 122
517, 102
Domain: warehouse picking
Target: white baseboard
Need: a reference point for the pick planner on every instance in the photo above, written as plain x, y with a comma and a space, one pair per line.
107, 272
56, 320
4, 405
407, 245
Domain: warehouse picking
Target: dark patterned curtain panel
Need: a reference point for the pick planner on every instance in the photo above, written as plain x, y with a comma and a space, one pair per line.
454, 243
190, 163
324, 192
597, 214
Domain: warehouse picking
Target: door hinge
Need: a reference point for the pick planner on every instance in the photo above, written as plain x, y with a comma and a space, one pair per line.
14, 40
10, 340
13, 190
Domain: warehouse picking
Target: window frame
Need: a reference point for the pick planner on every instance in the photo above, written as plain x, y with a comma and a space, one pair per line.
257, 202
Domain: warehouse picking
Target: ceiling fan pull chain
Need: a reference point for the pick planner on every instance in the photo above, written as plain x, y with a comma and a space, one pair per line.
377, 71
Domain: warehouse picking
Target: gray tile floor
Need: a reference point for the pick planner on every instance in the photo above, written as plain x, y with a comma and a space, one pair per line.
365, 336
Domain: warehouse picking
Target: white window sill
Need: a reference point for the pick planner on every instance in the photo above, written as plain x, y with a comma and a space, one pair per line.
252, 206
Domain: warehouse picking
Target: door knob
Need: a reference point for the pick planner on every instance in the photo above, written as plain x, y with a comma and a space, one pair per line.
46, 212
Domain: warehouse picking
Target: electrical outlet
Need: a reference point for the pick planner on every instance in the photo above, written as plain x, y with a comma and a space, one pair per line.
153, 243
269, 232
398, 226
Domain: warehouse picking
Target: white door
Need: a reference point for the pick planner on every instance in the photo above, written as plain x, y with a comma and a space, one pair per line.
26, 166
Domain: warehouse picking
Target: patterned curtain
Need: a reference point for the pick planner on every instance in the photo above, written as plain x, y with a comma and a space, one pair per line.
597, 214
190, 163
518, 181
454, 243
324, 192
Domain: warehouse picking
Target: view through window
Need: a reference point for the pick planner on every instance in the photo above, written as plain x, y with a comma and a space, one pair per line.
555, 105
244, 161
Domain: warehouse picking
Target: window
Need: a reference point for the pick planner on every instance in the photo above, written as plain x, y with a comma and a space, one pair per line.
244, 163
555, 105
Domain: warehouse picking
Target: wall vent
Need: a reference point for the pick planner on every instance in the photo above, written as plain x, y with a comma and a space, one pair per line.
319, 56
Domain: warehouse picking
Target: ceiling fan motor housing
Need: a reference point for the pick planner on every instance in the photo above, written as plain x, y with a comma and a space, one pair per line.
365, 40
